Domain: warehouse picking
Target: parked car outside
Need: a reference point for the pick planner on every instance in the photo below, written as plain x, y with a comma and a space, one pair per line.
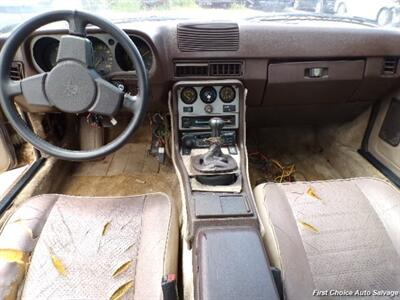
383, 12
154, 3
216, 3
318, 6
269, 5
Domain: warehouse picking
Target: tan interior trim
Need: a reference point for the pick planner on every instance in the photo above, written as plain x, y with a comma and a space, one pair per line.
381, 150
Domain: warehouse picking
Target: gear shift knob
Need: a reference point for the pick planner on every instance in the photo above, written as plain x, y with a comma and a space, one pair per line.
216, 125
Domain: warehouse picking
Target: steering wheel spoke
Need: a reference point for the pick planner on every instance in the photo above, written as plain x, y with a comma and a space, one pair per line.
77, 24
75, 48
13, 88
130, 102
33, 89
109, 98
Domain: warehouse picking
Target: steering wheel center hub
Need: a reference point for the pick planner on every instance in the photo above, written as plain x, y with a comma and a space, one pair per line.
70, 87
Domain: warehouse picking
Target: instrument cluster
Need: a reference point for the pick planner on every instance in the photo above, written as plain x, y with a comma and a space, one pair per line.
109, 55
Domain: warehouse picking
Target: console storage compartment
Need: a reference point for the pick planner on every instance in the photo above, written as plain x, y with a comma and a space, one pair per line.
232, 264
220, 205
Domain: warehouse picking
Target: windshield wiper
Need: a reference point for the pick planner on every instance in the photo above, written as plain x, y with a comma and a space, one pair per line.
313, 17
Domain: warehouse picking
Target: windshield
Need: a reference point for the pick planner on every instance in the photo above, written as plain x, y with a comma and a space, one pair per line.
364, 12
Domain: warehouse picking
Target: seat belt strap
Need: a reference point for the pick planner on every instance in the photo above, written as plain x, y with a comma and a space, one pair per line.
169, 287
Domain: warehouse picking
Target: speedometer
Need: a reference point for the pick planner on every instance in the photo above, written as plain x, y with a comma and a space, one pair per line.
103, 58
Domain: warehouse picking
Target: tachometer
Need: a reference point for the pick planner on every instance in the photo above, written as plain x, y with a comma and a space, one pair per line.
103, 58
124, 61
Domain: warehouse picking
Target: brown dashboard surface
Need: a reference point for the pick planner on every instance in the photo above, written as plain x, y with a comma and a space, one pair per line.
354, 65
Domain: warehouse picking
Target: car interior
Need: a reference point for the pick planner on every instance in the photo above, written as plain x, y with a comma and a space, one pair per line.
200, 159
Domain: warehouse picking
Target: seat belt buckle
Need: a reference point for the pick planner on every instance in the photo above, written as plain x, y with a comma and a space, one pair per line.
169, 287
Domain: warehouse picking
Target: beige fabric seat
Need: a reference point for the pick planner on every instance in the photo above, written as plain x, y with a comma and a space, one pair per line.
88, 248
332, 235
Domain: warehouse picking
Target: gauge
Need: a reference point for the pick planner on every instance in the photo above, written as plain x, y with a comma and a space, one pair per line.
45, 52
188, 95
227, 94
103, 58
125, 62
208, 94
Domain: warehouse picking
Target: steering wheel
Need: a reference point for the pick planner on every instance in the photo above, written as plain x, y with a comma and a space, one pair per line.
73, 85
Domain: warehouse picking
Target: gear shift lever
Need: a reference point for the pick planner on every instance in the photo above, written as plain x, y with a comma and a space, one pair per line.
216, 125
214, 161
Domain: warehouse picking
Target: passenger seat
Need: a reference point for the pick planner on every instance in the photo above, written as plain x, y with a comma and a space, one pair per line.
339, 235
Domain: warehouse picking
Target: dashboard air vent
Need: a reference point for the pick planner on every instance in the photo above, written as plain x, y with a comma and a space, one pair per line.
209, 68
226, 69
208, 37
16, 70
191, 69
390, 65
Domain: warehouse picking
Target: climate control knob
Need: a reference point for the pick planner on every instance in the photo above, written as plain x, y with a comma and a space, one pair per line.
208, 108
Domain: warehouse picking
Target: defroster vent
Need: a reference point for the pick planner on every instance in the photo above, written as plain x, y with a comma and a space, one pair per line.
208, 37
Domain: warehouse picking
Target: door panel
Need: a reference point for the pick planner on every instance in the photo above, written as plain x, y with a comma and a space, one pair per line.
383, 142
8, 158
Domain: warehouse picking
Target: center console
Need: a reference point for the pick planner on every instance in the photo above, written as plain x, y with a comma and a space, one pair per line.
209, 121
209, 153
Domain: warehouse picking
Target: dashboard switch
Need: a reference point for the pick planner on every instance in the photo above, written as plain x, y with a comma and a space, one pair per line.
188, 109
186, 122
229, 108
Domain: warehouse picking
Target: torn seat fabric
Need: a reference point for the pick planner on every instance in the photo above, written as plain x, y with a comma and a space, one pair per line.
65, 247
337, 235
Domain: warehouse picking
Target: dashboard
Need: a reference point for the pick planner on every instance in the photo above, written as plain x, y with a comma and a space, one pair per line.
293, 73
109, 55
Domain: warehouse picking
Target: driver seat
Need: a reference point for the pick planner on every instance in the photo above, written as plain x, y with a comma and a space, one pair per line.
67, 247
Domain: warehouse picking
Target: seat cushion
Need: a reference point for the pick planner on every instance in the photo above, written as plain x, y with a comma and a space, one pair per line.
89, 248
332, 235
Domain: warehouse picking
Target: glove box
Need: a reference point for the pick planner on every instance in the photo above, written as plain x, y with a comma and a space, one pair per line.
295, 83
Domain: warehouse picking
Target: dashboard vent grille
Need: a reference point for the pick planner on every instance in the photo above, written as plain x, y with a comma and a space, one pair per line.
208, 37
213, 69
16, 70
226, 69
390, 65
189, 70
